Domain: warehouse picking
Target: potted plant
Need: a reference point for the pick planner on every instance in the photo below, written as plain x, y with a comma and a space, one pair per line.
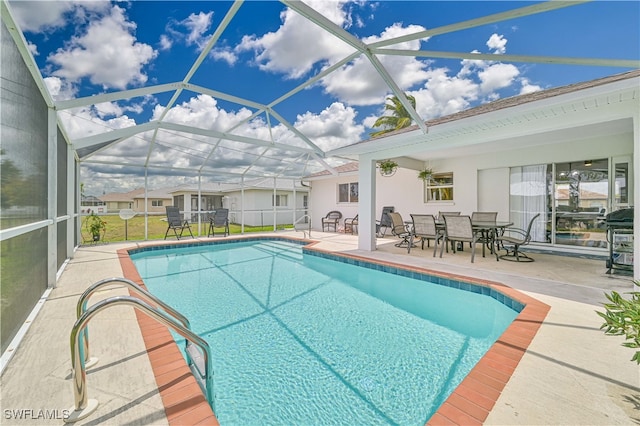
96, 226
425, 174
387, 167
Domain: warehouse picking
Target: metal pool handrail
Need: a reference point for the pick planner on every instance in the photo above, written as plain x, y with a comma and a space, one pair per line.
81, 307
304, 229
83, 406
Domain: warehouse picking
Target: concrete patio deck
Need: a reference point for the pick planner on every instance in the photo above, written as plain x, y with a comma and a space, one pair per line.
572, 373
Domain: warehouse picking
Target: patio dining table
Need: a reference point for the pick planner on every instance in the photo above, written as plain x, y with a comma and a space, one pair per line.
492, 228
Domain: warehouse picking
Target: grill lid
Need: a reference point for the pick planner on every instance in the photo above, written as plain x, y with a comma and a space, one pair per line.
620, 216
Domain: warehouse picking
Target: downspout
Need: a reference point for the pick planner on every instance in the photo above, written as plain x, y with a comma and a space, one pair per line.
273, 201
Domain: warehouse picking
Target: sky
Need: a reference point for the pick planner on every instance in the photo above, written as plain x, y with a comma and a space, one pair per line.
92, 47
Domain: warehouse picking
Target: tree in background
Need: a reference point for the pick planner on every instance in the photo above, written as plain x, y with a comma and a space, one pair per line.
398, 119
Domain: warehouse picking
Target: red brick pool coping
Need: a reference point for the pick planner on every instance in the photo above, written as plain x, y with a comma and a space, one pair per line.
469, 404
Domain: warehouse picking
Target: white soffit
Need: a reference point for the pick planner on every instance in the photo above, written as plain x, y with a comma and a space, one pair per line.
593, 110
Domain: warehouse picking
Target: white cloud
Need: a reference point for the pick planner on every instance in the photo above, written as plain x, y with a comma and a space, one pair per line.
59, 89
107, 53
332, 128
469, 66
51, 14
48, 15
191, 31
497, 76
443, 94
358, 83
438, 91
203, 112
32, 48
287, 49
85, 121
528, 87
198, 25
165, 42
106, 109
497, 43
224, 54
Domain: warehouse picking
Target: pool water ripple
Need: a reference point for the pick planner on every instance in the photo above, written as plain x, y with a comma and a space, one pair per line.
298, 339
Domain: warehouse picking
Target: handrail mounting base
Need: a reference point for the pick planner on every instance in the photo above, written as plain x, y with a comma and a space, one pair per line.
75, 415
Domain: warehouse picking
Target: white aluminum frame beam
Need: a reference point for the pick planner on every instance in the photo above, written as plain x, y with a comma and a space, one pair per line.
622, 63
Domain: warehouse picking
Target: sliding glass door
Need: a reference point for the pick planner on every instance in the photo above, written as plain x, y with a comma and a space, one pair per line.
528, 197
573, 199
581, 200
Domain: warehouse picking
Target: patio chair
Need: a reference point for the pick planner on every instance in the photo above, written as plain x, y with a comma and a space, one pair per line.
484, 216
175, 222
351, 225
512, 240
385, 221
441, 215
424, 227
220, 219
459, 229
486, 236
331, 220
399, 229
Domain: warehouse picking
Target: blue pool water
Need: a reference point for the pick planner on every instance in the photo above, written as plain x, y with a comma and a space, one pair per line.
302, 339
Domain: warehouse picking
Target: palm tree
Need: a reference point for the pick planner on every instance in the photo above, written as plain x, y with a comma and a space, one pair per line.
399, 118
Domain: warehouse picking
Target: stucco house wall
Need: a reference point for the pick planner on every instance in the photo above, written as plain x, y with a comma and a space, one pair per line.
402, 190
481, 182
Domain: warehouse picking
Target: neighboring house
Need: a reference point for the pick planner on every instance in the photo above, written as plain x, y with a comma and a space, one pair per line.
260, 205
588, 199
116, 201
89, 204
518, 156
135, 200
156, 201
254, 204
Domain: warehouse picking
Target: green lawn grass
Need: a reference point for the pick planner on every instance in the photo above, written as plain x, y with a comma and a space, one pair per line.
157, 227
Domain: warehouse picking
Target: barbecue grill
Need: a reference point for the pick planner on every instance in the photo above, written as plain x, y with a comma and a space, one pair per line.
619, 226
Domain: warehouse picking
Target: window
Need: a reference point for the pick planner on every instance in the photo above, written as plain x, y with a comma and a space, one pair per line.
348, 192
279, 200
156, 203
208, 202
439, 187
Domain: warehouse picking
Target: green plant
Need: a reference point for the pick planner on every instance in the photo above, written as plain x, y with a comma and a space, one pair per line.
387, 167
95, 225
425, 174
622, 318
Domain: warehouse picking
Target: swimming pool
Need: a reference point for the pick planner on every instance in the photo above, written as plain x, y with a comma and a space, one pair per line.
299, 338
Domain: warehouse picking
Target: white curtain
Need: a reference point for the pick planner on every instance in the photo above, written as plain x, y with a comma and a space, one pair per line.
528, 197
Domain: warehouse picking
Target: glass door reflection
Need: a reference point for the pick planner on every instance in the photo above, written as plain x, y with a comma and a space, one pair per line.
581, 196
